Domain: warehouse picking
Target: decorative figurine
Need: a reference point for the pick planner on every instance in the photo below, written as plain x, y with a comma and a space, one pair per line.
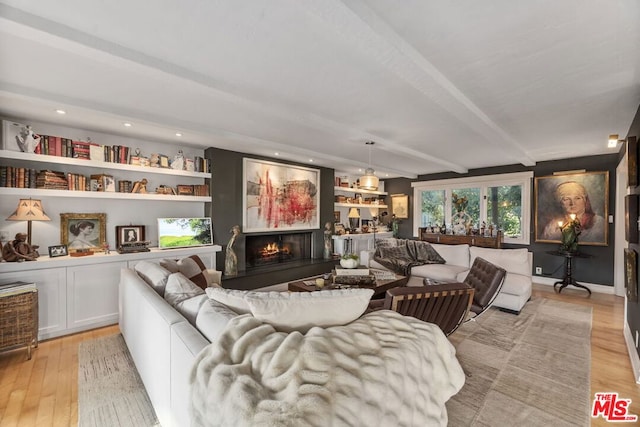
27, 140
178, 161
327, 241
231, 259
19, 250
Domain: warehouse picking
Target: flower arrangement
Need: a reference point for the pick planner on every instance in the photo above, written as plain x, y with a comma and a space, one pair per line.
350, 256
459, 202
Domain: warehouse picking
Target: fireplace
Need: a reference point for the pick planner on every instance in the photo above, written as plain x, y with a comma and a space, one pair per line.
270, 249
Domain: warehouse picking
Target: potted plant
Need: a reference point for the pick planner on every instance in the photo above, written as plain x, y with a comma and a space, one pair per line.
349, 260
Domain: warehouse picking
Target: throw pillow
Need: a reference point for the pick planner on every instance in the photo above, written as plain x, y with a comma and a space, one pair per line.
395, 252
179, 288
212, 319
425, 252
289, 311
385, 243
155, 275
232, 298
192, 267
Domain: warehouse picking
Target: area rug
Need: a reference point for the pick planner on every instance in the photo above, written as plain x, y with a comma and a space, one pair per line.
110, 391
529, 370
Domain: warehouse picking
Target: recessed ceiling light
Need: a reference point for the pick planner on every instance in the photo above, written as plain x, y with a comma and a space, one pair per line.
310, 160
276, 154
127, 124
178, 134
61, 112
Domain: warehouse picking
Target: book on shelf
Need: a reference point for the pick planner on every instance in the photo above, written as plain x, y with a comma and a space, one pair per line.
52, 180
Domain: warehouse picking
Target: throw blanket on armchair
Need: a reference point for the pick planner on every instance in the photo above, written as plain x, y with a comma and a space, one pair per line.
408, 253
383, 369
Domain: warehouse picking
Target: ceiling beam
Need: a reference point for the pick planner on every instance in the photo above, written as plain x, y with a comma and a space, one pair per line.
404, 60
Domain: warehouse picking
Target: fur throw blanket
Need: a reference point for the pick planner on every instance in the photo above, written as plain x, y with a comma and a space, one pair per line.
383, 369
407, 254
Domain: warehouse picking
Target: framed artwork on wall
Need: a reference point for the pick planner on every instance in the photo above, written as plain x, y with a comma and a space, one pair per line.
631, 218
400, 205
83, 231
632, 161
279, 196
584, 194
631, 274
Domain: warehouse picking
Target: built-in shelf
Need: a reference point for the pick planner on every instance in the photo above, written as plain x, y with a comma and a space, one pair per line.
55, 160
357, 190
41, 192
358, 205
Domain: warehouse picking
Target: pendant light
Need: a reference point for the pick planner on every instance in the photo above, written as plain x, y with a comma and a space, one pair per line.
369, 181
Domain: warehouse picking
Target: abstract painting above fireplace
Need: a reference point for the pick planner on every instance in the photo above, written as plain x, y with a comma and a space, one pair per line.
278, 196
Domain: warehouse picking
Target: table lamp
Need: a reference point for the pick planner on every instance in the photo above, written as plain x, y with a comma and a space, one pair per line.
354, 218
29, 210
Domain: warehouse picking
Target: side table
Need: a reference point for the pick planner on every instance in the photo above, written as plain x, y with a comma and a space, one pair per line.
19, 320
568, 279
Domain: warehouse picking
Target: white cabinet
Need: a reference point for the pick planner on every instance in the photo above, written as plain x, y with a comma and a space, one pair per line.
76, 294
92, 295
52, 297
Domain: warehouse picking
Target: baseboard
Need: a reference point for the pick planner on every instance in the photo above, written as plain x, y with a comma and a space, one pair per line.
601, 289
633, 354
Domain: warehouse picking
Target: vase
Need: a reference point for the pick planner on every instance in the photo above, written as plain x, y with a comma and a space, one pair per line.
348, 262
460, 223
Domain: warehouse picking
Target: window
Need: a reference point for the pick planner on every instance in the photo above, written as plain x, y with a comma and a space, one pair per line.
503, 201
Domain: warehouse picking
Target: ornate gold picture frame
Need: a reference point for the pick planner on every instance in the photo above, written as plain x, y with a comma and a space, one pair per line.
83, 231
585, 193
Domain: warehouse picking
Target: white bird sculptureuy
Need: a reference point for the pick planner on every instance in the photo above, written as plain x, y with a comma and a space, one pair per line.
27, 140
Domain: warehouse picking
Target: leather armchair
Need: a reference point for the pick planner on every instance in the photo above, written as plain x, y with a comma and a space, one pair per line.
487, 280
446, 305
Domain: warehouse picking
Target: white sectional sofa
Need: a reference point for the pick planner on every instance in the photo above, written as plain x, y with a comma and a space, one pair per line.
168, 324
516, 290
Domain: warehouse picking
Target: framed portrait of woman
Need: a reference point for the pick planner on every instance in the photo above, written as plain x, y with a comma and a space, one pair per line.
83, 231
584, 194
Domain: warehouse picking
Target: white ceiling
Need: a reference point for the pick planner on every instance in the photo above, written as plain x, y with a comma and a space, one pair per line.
439, 85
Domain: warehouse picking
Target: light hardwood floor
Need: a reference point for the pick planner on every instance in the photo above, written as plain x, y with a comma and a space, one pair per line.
44, 390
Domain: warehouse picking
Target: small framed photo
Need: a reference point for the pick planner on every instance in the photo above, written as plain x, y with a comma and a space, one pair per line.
336, 216
338, 229
129, 234
164, 161
58, 250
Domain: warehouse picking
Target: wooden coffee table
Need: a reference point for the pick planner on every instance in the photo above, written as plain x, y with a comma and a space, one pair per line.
379, 288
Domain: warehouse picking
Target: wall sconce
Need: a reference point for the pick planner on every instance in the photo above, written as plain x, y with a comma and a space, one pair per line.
29, 210
613, 140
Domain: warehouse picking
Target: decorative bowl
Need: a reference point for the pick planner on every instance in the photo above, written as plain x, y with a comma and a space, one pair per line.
348, 262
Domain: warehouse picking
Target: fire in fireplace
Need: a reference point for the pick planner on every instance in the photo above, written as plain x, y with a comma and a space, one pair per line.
277, 248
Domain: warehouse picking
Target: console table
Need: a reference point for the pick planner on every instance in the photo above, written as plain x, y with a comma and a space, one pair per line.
568, 270
456, 239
